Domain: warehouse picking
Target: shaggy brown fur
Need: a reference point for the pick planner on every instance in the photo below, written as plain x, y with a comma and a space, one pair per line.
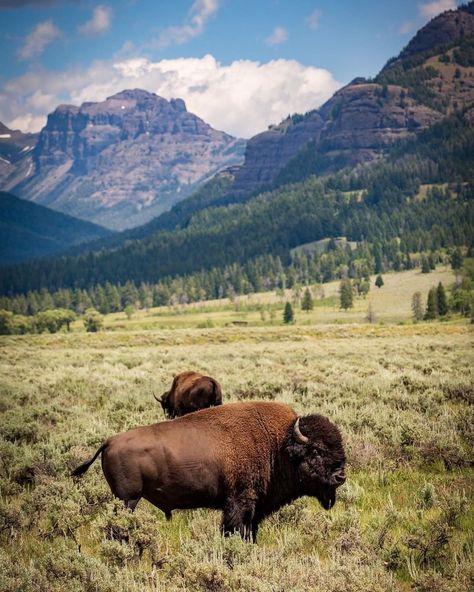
243, 458
189, 392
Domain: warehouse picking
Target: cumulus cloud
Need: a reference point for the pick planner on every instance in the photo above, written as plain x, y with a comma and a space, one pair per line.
36, 42
99, 23
279, 35
314, 18
241, 98
432, 9
200, 12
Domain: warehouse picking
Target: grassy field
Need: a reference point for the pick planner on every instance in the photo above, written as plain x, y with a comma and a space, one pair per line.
390, 304
402, 395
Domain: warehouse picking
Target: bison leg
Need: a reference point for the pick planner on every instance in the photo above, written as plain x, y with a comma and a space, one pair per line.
255, 526
237, 518
131, 504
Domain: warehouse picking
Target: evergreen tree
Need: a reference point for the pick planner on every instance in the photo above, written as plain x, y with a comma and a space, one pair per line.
113, 297
307, 303
417, 306
379, 281
288, 316
456, 259
46, 299
425, 265
431, 305
346, 294
441, 300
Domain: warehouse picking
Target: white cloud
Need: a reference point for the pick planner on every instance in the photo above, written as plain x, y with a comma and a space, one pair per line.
314, 19
278, 36
241, 98
406, 27
99, 23
432, 9
200, 12
36, 42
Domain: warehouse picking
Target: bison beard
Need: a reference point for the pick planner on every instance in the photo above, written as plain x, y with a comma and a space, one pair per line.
247, 459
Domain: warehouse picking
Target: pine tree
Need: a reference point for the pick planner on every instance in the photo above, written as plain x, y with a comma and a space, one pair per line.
307, 302
288, 316
113, 297
346, 294
417, 306
431, 305
425, 265
379, 281
456, 259
441, 300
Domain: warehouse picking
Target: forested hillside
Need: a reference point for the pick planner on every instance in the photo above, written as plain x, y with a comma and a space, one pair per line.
412, 194
28, 230
376, 205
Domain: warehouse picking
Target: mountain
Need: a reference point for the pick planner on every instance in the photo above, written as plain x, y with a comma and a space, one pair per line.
123, 161
15, 151
431, 78
28, 230
409, 139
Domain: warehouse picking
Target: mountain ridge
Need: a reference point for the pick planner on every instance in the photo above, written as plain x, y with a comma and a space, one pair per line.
28, 230
122, 161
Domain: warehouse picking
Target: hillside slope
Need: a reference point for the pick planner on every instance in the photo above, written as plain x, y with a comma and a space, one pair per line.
28, 230
376, 204
412, 93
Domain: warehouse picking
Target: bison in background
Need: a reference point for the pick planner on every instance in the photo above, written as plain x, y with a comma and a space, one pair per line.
189, 392
247, 459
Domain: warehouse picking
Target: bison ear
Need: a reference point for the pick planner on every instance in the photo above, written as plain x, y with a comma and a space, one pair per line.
299, 437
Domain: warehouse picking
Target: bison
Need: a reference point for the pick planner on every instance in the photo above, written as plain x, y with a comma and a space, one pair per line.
189, 392
247, 459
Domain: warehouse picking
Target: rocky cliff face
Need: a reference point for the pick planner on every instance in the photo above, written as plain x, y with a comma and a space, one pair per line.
358, 123
123, 161
353, 127
15, 151
445, 28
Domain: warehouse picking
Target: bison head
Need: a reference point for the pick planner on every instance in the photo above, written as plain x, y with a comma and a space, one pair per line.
317, 453
165, 403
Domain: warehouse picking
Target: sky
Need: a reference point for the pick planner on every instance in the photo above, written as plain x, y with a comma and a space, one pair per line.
241, 65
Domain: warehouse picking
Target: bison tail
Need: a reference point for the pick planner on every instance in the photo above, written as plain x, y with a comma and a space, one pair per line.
81, 469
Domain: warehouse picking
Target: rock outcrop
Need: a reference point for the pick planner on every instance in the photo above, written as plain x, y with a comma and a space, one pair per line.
15, 151
363, 118
123, 161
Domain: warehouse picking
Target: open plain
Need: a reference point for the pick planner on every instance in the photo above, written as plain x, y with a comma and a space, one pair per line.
401, 393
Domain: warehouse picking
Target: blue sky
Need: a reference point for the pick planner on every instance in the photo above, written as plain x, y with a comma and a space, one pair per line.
239, 64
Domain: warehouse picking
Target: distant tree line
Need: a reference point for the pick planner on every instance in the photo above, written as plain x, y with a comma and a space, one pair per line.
337, 260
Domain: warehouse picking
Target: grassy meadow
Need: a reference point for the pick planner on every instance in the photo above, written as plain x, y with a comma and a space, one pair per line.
401, 393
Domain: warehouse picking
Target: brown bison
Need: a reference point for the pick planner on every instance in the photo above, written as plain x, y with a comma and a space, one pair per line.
247, 459
189, 392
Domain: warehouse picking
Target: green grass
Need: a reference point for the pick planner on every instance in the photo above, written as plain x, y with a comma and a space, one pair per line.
402, 395
390, 304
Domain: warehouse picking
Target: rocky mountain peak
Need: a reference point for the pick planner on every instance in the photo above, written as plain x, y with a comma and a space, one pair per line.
445, 28
121, 161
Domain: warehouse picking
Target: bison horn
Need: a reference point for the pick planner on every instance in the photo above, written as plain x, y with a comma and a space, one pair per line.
159, 400
297, 433
339, 476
